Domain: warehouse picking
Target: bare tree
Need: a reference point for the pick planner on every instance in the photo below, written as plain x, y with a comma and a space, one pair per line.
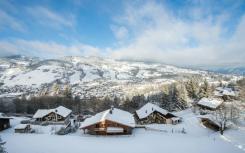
222, 118
226, 113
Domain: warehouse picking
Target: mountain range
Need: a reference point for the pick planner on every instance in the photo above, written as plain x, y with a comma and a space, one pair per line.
90, 76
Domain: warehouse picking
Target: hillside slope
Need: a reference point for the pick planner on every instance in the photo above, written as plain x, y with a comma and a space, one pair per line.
88, 76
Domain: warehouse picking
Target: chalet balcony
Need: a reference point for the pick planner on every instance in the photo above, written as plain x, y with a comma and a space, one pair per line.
99, 129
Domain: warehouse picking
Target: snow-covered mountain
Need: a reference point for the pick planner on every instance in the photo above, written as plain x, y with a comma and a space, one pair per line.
87, 76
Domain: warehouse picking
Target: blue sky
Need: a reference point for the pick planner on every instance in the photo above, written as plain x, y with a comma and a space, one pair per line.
191, 32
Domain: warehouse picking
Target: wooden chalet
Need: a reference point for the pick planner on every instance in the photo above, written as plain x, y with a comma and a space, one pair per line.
59, 114
209, 104
110, 122
151, 113
225, 93
4, 122
23, 128
210, 124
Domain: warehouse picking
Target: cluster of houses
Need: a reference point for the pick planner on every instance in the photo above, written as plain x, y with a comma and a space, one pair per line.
117, 121
109, 122
209, 105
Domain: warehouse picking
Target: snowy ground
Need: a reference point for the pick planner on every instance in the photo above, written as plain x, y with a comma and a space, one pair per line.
158, 139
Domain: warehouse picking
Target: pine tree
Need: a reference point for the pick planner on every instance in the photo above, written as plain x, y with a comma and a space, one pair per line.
55, 89
205, 90
192, 87
164, 101
68, 91
174, 97
183, 95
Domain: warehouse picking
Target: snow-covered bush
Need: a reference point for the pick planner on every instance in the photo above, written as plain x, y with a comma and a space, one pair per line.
2, 149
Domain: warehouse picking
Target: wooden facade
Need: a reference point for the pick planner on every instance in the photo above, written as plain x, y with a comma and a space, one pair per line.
53, 117
210, 124
59, 115
156, 117
102, 128
4, 123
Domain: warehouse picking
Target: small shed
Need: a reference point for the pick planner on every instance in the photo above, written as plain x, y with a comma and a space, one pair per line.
109, 122
4, 121
212, 122
209, 123
23, 128
176, 120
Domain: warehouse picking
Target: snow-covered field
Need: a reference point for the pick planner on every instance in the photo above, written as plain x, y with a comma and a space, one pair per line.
157, 139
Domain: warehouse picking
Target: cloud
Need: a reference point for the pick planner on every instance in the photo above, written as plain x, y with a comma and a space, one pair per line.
48, 17
46, 49
7, 21
162, 36
120, 32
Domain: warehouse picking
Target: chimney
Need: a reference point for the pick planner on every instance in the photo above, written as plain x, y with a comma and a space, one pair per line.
111, 110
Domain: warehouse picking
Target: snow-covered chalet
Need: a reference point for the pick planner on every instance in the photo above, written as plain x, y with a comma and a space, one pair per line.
209, 103
60, 114
151, 113
109, 122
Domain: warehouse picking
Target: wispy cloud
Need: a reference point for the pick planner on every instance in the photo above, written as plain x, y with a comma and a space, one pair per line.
161, 36
7, 21
48, 17
194, 33
120, 32
46, 49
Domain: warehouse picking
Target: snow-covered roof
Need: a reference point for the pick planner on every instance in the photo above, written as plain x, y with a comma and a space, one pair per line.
175, 118
214, 119
3, 116
117, 115
211, 117
219, 88
149, 108
211, 103
220, 91
62, 111
10, 95
21, 126
229, 92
